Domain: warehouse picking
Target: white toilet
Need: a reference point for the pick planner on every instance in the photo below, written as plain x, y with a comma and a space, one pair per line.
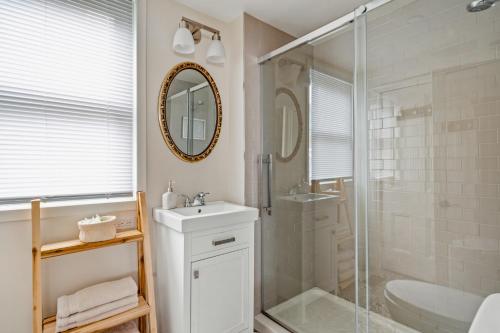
430, 308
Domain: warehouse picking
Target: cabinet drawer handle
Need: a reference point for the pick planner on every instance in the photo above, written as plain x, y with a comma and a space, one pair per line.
223, 241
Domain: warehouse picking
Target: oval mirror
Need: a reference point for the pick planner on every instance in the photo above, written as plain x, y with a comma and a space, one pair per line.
289, 124
190, 111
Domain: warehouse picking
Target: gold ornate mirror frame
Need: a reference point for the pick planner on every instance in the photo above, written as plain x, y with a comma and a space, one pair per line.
163, 111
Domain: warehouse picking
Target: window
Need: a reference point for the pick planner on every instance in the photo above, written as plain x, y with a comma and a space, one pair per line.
331, 127
67, 99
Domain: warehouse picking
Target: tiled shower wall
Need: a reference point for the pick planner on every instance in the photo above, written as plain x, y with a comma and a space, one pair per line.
467, 177
436, 179
434, 110
401, 181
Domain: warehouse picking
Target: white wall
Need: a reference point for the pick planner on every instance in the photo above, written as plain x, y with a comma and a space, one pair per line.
222, 173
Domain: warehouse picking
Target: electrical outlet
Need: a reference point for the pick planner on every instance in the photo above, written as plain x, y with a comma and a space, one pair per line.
126, 221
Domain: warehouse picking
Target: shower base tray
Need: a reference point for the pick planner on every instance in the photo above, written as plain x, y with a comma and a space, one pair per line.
317, 311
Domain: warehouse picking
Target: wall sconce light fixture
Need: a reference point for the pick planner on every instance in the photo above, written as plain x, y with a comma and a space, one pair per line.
189, 33
183, 40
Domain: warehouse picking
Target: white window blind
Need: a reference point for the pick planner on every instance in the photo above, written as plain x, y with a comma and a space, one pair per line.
67, 99
331, 127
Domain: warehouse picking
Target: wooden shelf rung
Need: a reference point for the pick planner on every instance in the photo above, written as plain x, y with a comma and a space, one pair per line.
142, 309
73, 246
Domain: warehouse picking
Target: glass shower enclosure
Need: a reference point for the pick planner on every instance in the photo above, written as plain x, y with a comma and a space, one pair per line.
309, 235
380, 170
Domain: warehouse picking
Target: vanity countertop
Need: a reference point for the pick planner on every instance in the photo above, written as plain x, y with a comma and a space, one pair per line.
212, 215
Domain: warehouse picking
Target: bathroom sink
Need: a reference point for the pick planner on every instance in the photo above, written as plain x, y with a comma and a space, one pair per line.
487, 319
219, 207
308, 197
212, 215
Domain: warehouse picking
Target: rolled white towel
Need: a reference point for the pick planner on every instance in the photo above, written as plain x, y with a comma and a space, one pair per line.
95, 295
97, 313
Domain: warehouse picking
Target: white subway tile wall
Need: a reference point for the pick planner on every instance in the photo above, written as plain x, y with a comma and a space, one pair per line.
434, 114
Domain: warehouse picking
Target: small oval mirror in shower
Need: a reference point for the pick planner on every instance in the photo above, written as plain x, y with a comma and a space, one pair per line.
288, 123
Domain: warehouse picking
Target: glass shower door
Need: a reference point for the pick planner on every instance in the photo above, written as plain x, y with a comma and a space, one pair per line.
424, 246
308, 237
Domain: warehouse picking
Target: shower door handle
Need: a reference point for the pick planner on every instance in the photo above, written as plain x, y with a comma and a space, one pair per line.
267, 165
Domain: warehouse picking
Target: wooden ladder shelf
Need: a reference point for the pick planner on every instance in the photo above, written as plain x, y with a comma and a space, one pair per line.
145, 311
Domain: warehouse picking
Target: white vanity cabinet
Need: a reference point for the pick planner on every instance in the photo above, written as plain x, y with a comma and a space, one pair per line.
220, 293
205, 270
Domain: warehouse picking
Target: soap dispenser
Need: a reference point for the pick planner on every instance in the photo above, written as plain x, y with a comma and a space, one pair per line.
169, 198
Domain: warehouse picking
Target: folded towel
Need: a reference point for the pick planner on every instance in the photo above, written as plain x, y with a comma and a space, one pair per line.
95, 295
97, 313
91, 313
128, 327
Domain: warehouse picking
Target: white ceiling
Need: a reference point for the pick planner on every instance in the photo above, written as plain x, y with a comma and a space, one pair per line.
296, 17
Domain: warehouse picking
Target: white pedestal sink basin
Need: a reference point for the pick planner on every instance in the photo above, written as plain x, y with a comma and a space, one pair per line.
212, 215
487, 318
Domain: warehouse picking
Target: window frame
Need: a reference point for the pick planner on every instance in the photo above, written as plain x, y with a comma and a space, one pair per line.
61, 206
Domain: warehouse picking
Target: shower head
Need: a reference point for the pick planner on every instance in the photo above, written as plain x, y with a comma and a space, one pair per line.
480, 5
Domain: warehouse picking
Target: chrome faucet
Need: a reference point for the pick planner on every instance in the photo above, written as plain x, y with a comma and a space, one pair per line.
198, 200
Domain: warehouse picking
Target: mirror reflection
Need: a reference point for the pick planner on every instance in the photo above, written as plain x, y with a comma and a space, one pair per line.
191, 112
289, 124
